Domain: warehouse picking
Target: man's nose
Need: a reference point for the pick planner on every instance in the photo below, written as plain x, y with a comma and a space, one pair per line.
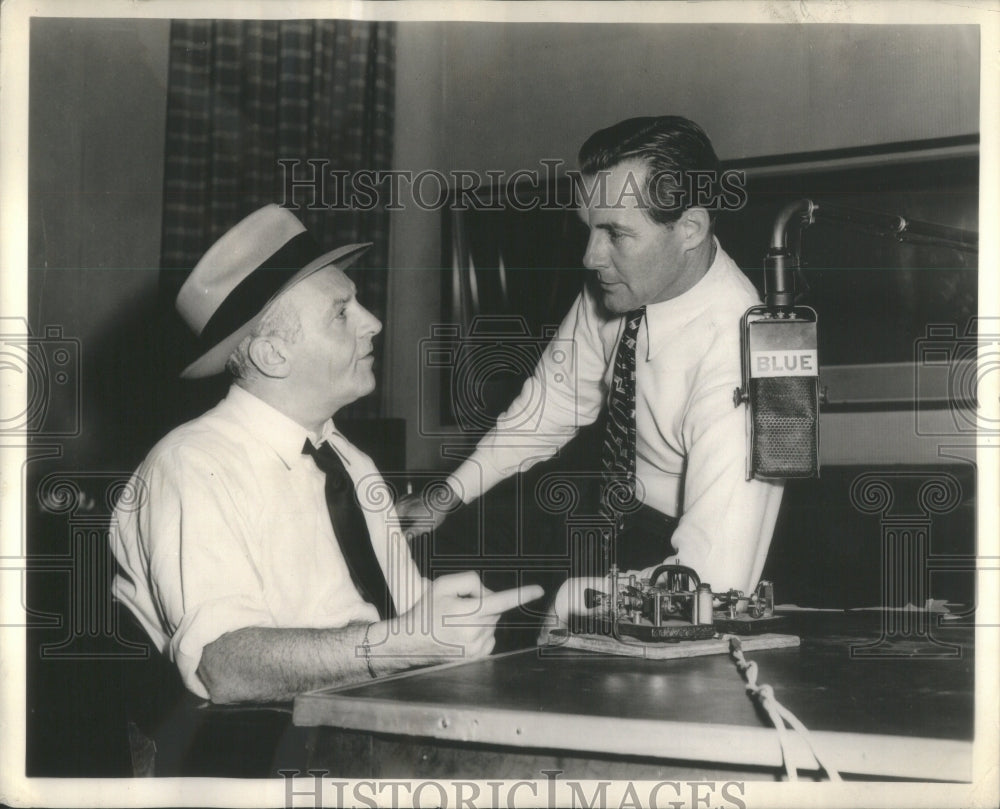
595, 256
371, 325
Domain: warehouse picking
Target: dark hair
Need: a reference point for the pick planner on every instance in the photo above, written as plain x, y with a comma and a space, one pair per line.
670, 146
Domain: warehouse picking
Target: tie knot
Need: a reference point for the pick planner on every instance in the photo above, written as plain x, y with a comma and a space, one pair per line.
327, 460
634, 318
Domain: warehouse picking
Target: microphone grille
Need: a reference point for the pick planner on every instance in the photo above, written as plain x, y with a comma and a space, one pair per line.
785, 423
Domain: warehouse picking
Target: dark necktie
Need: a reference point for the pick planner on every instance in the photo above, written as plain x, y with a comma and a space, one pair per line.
618, 453
351, 529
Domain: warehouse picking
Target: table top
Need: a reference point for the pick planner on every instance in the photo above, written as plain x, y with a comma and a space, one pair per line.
910, 691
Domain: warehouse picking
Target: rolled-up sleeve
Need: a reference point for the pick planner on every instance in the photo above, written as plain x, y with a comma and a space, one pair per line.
201, 564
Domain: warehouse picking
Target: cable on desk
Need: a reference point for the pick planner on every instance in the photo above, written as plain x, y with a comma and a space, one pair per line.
778, 713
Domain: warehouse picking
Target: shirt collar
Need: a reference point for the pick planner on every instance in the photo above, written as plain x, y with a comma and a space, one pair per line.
666, 317
272, 427
332, 436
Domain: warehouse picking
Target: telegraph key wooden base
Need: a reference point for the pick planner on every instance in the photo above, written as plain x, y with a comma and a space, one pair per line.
629, 647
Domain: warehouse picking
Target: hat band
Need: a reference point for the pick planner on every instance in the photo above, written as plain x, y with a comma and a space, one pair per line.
252, 294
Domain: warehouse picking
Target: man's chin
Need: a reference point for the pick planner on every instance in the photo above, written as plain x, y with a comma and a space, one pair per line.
615, 304
360, 384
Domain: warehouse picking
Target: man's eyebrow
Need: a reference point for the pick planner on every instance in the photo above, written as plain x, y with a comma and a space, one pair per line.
344, 297
341, 300
614, 225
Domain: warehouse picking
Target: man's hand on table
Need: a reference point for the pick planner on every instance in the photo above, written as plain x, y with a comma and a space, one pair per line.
454, 620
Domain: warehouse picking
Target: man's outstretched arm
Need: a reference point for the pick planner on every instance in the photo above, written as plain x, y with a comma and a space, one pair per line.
267, 664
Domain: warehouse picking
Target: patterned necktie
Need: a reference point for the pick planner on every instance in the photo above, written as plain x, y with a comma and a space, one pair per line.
351, 529
618, 453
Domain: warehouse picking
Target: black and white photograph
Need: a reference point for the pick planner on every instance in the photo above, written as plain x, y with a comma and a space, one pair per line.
431, 404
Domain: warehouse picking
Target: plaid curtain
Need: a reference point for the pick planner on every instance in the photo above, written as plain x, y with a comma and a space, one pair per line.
243, 95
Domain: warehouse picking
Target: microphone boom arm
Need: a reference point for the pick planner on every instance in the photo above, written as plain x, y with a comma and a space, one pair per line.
780, 262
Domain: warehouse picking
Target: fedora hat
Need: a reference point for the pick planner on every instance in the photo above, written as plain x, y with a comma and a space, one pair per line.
224, 297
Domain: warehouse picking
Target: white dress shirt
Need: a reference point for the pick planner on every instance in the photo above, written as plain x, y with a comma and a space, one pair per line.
690, 438
229, 528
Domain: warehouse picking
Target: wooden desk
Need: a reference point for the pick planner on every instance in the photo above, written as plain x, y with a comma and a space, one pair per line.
514, 715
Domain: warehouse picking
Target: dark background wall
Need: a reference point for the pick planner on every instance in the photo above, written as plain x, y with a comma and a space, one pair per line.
97, 112
96, 122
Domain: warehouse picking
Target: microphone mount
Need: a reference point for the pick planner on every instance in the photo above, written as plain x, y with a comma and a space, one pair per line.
781, 262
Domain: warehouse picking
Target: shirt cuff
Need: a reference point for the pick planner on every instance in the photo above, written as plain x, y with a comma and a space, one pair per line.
467, 482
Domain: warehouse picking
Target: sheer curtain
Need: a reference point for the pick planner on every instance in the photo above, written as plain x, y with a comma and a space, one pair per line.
243, 95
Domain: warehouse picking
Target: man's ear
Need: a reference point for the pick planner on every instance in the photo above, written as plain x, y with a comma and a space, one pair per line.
696, 227
269, 355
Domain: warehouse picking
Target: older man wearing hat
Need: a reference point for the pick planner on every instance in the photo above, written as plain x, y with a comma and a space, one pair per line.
257, 551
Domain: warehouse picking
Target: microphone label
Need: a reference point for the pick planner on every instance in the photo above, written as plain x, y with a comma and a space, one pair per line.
797, 362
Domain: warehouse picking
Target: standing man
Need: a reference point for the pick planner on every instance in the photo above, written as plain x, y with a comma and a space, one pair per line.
656, 337
256, 547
